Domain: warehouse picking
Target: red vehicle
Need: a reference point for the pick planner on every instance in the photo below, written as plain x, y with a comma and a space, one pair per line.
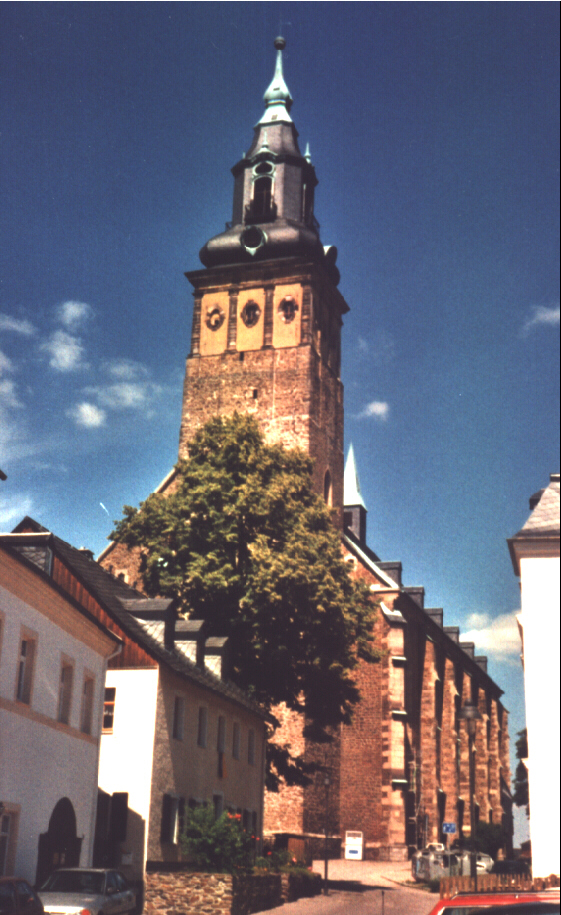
464, 904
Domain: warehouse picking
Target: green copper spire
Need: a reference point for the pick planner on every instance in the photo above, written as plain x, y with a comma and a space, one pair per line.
277, 97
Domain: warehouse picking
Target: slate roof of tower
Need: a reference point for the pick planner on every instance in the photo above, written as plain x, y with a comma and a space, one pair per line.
114, 595
544, 520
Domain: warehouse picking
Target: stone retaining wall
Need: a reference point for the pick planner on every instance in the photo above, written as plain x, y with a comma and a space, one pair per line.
185, 893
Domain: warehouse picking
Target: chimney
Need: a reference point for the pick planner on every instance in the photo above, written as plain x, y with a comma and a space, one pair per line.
217, 657
453, 632
469, 648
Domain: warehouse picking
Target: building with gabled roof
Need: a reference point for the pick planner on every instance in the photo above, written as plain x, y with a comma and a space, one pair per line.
266, 340
53, 658
535, 556
175, 732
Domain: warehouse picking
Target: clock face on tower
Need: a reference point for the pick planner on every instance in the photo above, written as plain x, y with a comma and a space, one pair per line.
250, 313
214, 317
288, 308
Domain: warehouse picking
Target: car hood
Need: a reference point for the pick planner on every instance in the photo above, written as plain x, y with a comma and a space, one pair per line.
59, 901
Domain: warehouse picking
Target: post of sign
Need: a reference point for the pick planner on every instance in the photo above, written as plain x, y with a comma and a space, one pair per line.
449, 829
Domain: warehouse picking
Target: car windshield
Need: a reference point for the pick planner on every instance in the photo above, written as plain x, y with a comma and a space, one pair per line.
75, 882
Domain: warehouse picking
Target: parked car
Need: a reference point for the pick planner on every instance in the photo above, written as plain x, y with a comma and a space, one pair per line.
96, 891
18, 898
470, 904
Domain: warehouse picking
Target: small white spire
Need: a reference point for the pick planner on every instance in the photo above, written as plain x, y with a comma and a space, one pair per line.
351, 483
307, 154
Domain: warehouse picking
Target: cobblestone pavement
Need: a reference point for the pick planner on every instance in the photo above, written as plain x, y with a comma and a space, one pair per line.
364, 888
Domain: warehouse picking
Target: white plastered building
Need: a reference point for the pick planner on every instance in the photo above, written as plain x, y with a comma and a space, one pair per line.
534, 552
53, 659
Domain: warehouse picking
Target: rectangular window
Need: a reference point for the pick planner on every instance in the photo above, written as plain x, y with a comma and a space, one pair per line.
87, 705
65, 692
221, 737
236, 740
178, 717
173, 818
251, 748
203, 727
25, 670
4, 842
109, 710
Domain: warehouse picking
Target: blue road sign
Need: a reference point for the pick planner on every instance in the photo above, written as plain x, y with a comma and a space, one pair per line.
449, 829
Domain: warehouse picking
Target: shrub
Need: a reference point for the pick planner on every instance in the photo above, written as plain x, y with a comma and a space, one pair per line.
219, 845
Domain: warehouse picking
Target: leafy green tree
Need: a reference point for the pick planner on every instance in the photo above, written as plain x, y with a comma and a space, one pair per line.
521, 794
246, 545
217, 844
489, 838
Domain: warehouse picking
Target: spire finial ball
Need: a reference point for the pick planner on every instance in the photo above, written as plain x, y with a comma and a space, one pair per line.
280, 44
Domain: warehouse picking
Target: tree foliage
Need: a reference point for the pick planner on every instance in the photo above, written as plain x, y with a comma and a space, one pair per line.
489, 838
245, 544
217, 844
521, 794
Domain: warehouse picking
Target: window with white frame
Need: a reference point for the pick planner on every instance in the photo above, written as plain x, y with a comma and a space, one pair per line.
109, 709
178, 717
202, 731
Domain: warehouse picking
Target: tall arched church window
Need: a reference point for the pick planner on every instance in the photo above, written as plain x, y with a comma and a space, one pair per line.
327, 489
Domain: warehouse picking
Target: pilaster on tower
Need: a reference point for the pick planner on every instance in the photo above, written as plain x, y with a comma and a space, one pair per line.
266, 336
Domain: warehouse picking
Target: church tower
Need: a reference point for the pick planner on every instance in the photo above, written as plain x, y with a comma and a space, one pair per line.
267, 318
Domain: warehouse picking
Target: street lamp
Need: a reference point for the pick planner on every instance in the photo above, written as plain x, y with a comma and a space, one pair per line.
326, 782
471, 715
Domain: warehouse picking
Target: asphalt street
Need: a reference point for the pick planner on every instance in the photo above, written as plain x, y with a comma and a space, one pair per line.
364, 888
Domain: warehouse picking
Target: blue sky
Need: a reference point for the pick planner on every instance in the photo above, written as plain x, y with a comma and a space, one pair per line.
433, 128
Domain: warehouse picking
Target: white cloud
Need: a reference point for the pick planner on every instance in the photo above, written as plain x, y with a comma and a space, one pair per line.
12, 509
16, 325
9, 399
87, 415
6, 364
542, 315
126, 369
376, 409
74, 314
497, 637
65, 351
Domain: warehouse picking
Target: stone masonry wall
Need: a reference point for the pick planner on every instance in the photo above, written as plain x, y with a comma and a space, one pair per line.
184, 893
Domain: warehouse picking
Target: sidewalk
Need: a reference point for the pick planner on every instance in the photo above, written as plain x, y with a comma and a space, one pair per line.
369, 873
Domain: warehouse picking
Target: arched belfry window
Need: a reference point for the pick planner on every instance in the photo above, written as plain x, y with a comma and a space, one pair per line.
327, 488
262, 197
262, 207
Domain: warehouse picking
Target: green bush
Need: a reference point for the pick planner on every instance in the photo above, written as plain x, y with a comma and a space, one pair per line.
218, 845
